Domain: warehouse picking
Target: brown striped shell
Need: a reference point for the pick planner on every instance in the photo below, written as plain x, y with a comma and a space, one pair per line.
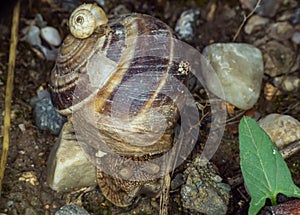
115, 86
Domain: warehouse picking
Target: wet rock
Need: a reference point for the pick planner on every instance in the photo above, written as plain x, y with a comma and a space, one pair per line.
71, 209
282, 129
240, 71
278, 58
45, 116
185, 25
68, 167
203, 191
255, 23
281, 31
51, 35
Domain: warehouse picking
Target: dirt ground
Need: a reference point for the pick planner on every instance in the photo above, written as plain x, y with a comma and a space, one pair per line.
29, 148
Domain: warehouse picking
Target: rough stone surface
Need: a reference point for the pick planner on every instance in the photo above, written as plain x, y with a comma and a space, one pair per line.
71, 209
282, 129
239, 68
278, 58
68, 167
45, 116
185, 26
203, 191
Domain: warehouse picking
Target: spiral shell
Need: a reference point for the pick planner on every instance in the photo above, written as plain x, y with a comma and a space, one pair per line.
117, 88
85, 19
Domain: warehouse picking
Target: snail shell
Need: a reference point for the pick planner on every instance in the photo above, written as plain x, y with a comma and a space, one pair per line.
85, 19
128, 61
89, 73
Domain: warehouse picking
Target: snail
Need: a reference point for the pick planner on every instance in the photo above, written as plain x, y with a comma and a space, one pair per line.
118, 82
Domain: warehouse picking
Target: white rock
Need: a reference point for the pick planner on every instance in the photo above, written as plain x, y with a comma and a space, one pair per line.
239, 68
51, 35
32, 35
68, 167
282, 129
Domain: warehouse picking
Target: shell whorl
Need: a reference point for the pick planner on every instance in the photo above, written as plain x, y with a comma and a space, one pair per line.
121, 42
85, 19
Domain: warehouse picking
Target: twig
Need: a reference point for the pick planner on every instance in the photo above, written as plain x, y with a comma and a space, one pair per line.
245, 19
9, 89
164, 198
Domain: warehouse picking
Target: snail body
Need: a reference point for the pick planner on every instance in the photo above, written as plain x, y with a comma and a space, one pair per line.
116, 84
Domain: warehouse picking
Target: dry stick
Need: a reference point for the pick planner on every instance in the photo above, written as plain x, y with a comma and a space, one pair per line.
9, 89
245, 19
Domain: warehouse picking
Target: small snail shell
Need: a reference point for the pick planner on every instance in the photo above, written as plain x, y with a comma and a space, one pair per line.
85, 19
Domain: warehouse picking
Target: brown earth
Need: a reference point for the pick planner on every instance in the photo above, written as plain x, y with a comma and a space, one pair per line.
29, 149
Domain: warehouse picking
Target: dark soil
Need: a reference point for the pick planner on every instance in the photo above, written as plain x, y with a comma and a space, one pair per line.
29, 149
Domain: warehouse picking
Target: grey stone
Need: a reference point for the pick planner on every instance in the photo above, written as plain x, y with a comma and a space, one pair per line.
185, 25
239, 68
202, 193
71, 209
45, 116
68, 166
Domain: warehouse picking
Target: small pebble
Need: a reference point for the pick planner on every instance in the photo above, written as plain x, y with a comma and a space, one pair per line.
45, 116
289, 83
32, 35
296, 37
40, 21
256, 22
51, 35
282, 129
10, 203
185, 26
22, 127
71, 209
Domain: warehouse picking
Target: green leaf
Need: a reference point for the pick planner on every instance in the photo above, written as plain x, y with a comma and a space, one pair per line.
264, 170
